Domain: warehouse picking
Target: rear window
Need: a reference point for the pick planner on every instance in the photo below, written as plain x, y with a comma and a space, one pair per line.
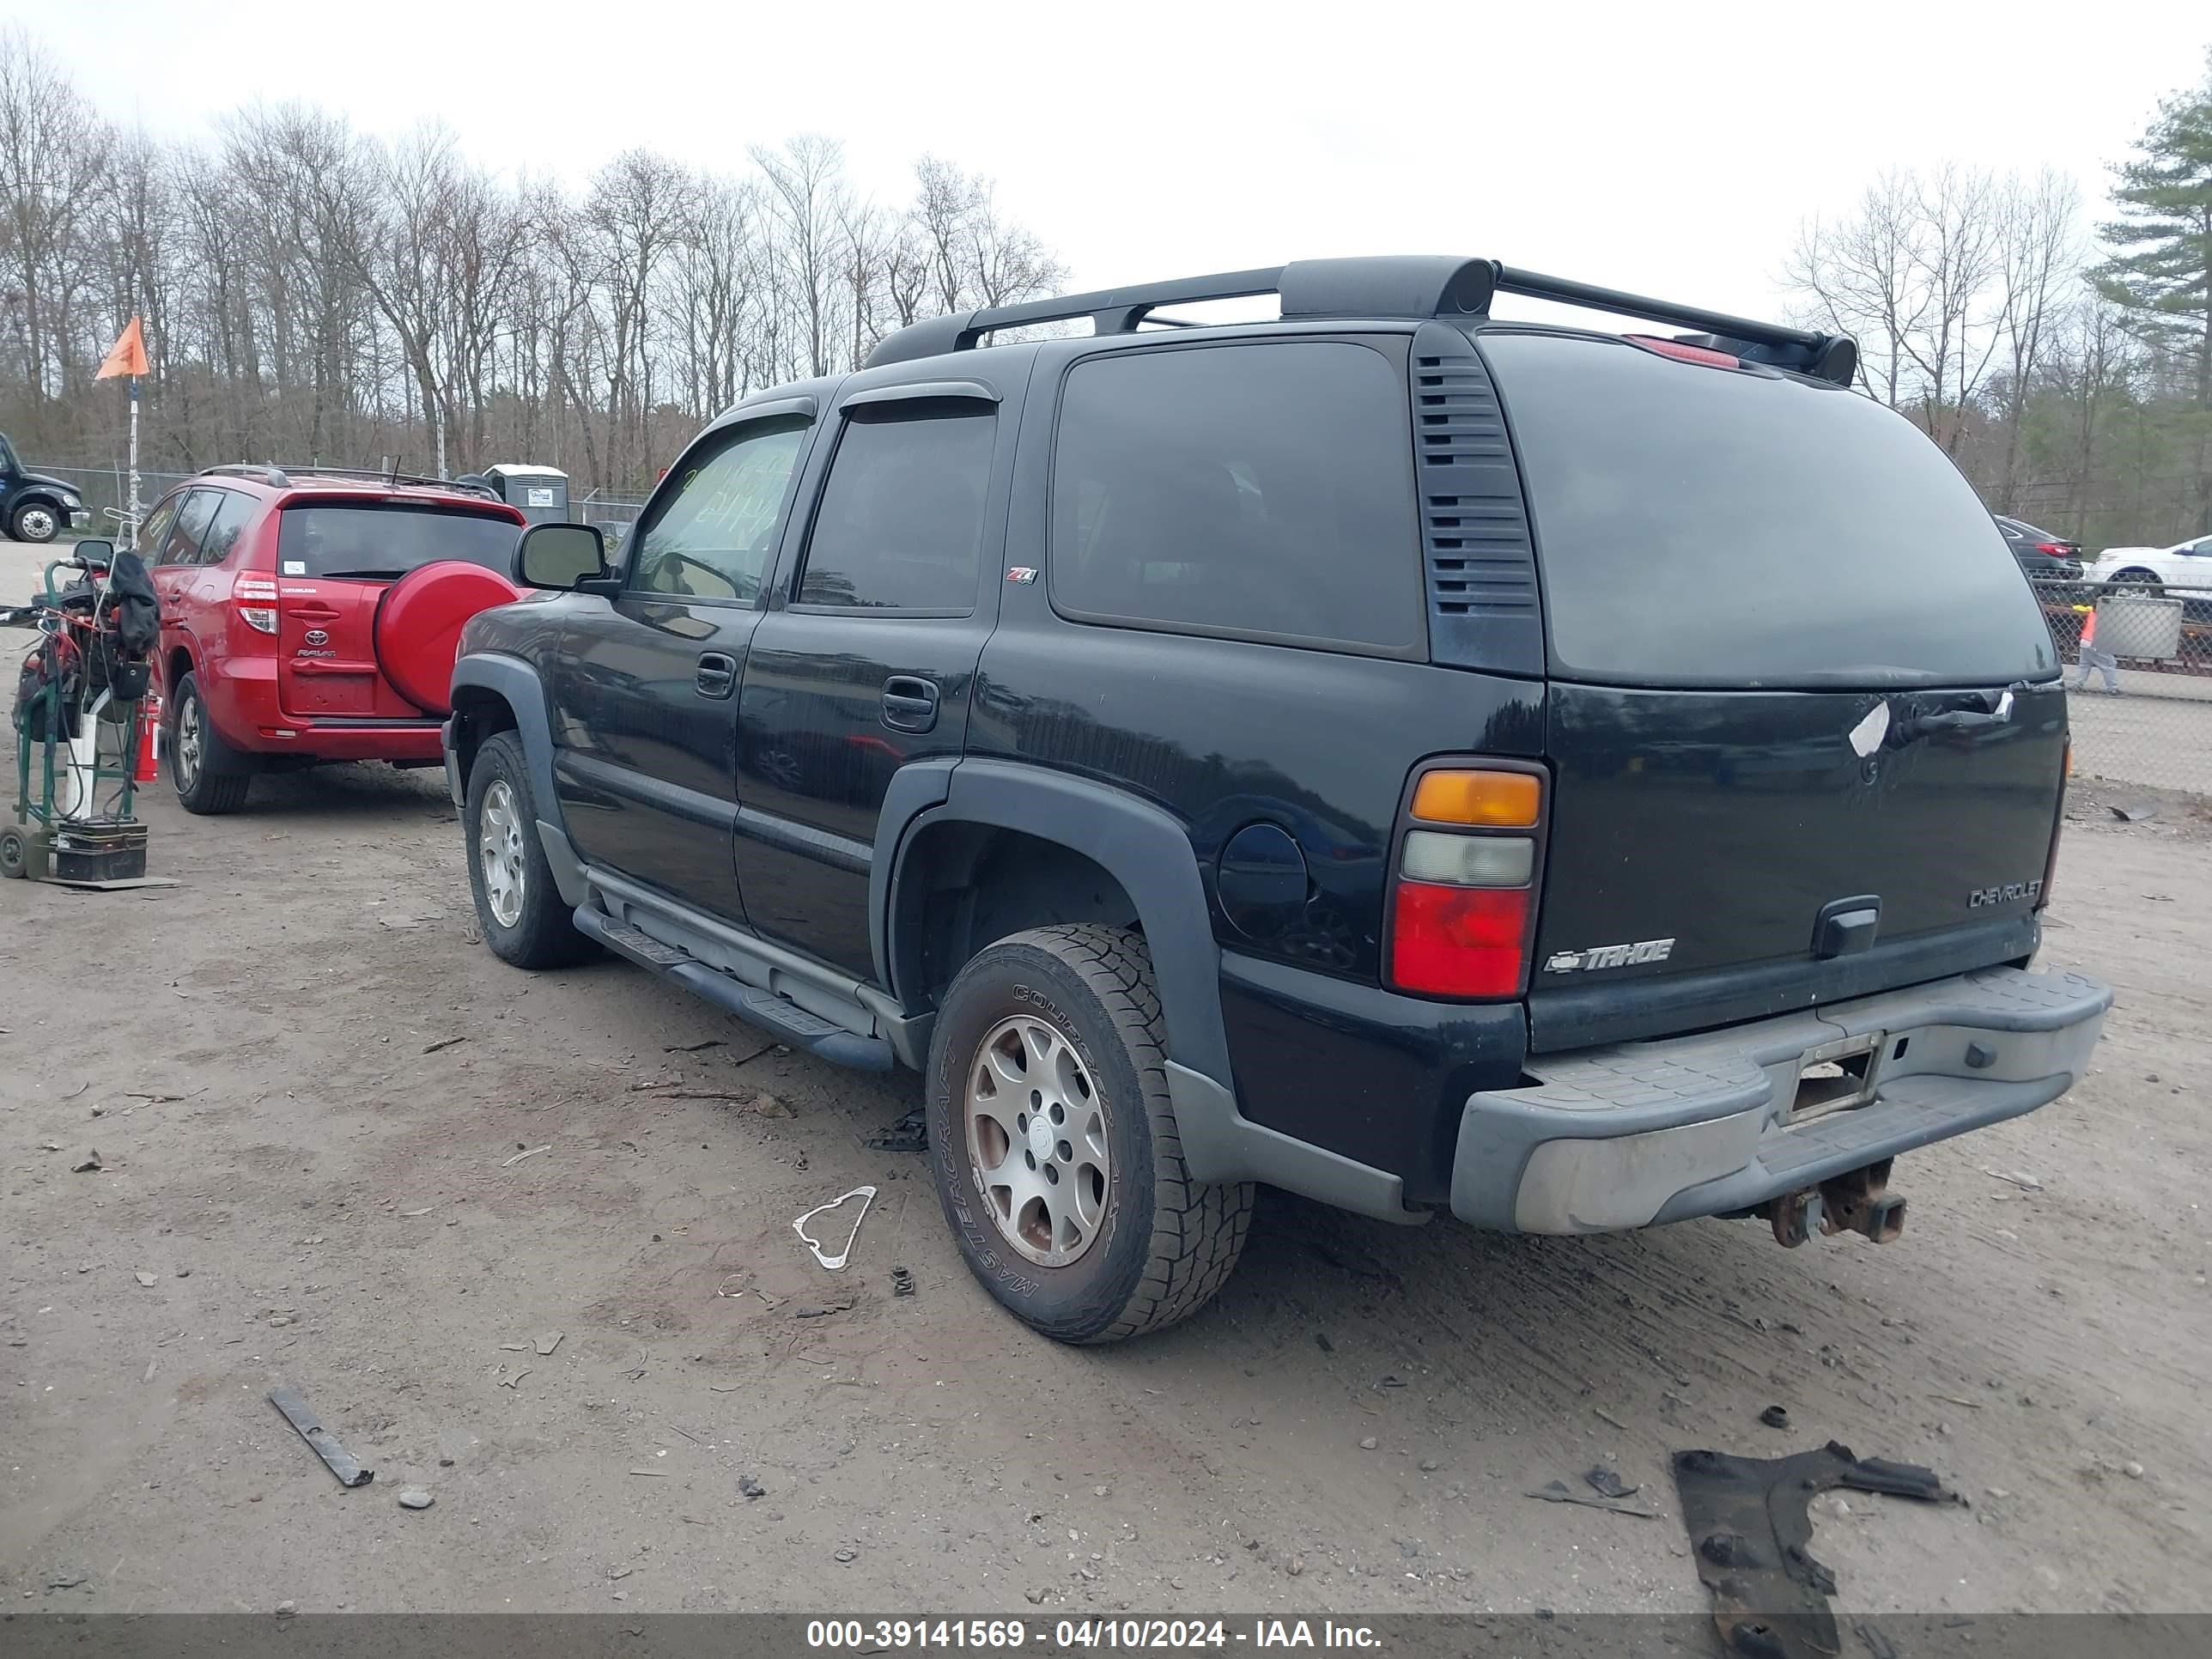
1700, 526
383, 541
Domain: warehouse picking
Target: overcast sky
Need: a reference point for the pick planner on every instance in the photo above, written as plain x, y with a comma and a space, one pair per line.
1671, 148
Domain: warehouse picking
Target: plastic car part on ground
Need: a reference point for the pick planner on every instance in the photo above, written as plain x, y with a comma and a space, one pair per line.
866, 1195
418, 626
1747, 1522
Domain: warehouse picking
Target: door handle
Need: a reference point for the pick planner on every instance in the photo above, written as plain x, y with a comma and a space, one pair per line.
909, 703
717, 676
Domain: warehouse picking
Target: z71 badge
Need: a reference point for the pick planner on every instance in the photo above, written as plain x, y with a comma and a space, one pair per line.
1608, 956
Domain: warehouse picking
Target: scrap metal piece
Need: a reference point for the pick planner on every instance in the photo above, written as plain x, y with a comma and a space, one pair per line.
343, 1463
866, 1195
1557, 1492
1749, 1527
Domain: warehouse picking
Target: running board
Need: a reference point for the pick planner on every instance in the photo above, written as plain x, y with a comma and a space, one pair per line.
780, 1015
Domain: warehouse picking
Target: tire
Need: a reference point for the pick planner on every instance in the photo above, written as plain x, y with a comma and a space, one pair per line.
1125, 1241
14, 853
210, 776
36, 522
2144, 582
519, 910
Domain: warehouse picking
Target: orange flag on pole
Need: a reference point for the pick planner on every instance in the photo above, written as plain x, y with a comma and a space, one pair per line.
128, 356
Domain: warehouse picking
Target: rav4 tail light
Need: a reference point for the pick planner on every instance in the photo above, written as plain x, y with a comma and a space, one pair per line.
1463, 894
256, 599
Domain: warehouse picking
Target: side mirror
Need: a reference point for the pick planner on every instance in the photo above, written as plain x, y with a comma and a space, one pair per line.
95, 555
559, 556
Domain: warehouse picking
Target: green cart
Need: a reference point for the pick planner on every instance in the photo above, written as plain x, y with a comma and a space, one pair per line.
84, 721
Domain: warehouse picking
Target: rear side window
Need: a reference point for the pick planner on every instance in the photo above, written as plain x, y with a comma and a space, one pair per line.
182, 544
382, 541
901, 523
154, 534
1700, 526
1264, 491
231, 513
714, 538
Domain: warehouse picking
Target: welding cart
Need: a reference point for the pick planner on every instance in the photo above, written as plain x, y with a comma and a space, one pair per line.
85, 721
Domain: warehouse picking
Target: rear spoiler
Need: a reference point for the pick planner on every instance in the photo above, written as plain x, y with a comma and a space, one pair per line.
1394, 286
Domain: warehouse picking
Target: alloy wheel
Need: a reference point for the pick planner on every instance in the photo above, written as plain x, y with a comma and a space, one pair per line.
191, 744
499, 850
1037, 1140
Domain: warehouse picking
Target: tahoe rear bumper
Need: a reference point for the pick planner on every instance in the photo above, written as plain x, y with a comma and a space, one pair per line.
1640, 1132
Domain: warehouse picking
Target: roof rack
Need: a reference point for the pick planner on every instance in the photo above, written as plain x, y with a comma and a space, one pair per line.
1399, 285
282, 478
269, 475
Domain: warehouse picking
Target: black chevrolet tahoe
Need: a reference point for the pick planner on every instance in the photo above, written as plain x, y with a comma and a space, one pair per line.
1428, 763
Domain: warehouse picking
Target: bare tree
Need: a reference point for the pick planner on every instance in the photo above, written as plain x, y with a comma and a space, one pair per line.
1954, 250
1862, 280
54, 156
2039, 268
715, 291
806, 196
311, 293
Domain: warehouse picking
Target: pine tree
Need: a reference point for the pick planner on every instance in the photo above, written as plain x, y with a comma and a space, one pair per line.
2162, 269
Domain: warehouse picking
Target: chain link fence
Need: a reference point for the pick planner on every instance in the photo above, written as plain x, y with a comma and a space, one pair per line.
2154, 730
106, 489
2139, 694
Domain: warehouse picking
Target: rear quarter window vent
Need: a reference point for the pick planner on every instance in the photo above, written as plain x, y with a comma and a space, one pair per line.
1480, 563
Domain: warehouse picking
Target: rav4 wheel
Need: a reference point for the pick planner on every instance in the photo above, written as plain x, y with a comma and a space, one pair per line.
210, 775
519, 909
1054, 1142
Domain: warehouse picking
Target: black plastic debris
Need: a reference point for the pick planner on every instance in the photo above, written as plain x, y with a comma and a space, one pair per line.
909, 1134
1749, 1529
1607, 1483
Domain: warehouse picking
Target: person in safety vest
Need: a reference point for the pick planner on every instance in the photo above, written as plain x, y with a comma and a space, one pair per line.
2090, 657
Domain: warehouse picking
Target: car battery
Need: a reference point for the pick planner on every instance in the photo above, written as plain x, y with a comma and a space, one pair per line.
98, 851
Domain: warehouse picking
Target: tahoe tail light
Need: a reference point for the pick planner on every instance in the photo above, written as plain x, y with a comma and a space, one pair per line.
1463, 888
256, 599
2058, 826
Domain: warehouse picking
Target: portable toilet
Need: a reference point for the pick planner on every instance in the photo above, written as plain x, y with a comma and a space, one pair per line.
541, 492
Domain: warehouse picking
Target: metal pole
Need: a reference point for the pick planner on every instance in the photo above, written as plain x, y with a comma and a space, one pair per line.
130, 510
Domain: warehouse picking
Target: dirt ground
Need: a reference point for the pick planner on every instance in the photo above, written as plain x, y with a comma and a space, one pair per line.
311, 1091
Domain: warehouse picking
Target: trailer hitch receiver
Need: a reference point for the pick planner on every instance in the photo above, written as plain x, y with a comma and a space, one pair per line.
1859, 1202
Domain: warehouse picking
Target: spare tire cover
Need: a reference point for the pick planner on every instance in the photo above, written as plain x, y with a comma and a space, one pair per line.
418, 627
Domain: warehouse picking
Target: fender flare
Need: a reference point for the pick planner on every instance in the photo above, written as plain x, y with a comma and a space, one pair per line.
516, 683
1137, 843
1149, 852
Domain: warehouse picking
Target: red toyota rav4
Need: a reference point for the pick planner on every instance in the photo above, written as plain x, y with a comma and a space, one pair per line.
312, 615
